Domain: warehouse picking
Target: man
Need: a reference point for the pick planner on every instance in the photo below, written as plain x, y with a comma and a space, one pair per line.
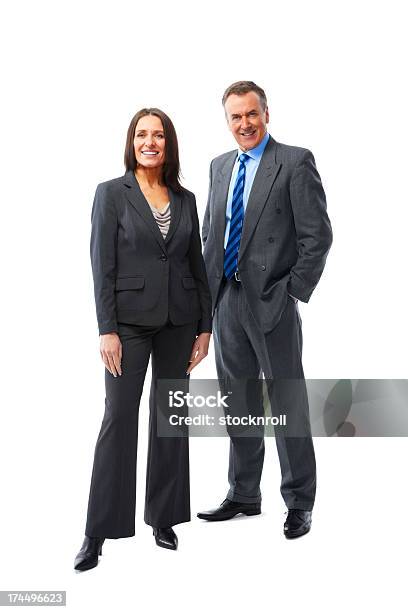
266, 234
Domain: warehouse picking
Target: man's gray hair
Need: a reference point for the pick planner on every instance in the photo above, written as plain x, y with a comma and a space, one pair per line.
242, 87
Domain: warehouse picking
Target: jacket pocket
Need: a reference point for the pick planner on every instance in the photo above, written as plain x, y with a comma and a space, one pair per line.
130, 283
189, 282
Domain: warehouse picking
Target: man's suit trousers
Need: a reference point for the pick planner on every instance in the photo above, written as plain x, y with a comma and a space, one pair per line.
243, 352
112, 497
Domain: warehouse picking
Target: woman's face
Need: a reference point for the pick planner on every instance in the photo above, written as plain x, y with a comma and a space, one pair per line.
149, 142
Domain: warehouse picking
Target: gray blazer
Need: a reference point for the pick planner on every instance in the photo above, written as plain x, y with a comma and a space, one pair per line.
286, 233
139, 277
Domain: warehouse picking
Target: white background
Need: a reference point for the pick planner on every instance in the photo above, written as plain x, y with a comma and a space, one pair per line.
73, 75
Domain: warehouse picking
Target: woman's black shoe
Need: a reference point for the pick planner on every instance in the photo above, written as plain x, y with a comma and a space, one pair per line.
88, 556
165, 537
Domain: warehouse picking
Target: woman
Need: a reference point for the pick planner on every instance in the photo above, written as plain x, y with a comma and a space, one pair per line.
152, 299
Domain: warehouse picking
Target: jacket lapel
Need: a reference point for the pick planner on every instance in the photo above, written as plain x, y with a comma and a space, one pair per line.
175, 213
265, 177
136, 198
220, 198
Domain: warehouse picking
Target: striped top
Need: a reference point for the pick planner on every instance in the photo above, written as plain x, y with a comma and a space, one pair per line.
162, 217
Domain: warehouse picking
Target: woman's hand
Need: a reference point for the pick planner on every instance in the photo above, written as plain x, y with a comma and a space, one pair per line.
111, 353
200, 350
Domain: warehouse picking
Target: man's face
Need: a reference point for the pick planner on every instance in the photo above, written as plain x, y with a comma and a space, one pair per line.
246, 119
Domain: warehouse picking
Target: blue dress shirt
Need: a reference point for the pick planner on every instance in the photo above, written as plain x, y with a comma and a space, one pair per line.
255, 156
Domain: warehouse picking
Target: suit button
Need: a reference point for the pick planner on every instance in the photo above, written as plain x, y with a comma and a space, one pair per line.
271, 239
218, 275
263, 267
163, 257
279, 210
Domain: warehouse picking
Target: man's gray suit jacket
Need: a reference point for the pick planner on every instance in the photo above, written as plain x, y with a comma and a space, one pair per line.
286, 233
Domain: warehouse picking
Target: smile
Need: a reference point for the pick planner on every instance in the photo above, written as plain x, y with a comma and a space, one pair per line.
248, 133
150, 152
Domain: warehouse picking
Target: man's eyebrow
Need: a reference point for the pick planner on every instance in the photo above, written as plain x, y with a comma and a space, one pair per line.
253, 110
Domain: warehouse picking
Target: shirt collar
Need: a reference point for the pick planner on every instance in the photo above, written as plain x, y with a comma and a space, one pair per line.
257, 152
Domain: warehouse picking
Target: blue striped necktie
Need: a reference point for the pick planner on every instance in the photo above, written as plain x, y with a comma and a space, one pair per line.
237, 219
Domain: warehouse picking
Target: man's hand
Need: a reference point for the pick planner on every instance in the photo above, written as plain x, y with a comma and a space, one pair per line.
111, 353
199, 351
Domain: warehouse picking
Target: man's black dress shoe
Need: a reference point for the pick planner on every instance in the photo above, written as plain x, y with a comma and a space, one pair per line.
88, 556
298, 522
165, 537
229, 509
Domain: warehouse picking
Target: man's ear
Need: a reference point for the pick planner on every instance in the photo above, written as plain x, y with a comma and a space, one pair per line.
267, 114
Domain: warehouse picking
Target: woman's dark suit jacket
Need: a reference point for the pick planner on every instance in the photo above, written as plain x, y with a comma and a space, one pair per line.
139, 277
